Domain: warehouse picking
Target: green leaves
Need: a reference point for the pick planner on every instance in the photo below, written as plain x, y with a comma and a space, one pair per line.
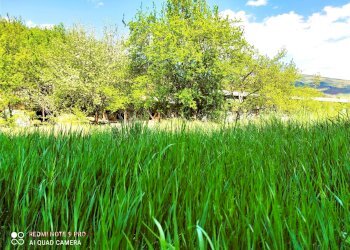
176, 61
14, 59
60, 69
186, 97
24, 74
190, 54
90, 72
181, 51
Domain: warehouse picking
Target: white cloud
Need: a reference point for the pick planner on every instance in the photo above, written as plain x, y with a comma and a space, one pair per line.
97, 3
240, 15
317, 43
31, 24
257, 3
100, 4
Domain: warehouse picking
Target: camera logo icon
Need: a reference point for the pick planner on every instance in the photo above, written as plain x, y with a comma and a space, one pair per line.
17, 238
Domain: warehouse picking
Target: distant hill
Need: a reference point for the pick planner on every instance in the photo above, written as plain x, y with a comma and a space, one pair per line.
329, 86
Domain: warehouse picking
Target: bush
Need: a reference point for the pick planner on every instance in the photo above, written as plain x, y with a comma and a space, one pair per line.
70, 119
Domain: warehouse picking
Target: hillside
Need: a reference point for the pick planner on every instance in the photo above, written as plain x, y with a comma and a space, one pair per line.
329, 86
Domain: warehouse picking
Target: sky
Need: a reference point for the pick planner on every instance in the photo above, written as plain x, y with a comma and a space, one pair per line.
316, 33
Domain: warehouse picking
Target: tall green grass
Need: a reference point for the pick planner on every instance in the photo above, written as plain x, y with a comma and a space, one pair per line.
270, 186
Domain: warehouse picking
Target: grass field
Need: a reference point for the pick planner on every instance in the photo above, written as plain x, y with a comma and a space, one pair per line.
268, 186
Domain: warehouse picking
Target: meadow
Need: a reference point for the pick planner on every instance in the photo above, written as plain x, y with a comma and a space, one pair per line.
274, 185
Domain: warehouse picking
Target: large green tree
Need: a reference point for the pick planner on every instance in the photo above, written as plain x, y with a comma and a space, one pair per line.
187, 54
90, 72
14, 62
23, 65
263, 82
180, 54
41, 91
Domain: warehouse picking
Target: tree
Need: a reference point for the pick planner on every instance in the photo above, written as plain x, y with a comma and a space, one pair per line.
317, 79
42, 87
266, 82
23, 67
180, 56
14, 58
89, 71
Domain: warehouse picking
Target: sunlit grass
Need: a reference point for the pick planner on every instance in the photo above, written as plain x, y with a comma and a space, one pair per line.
268, 186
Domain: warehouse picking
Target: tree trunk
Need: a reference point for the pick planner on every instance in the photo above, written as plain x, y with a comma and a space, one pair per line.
238, 115
104, 115
96, 117
157, 116
150, 115
125, 115
10, 109
43, 113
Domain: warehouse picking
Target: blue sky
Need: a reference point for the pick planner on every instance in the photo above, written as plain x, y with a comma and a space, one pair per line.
316, 33
103, 12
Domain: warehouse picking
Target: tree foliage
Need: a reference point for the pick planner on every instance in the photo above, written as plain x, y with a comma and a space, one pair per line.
89, 72
187, 54
14, 60
181, 54
177, 61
